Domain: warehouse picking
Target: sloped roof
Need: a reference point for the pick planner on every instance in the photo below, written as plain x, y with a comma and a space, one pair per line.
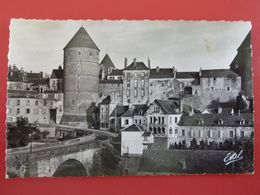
32, 76
107, 62
169, 106
119, 109
212, 119
133, 128
106, 100
147, 133
137, 66
57, 74
43, 81
110, 81
218, 73
116, 72
81, 39
138, 109
162, 73
14, 76
187, 75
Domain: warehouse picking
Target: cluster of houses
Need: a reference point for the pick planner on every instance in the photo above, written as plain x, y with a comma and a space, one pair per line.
150, 107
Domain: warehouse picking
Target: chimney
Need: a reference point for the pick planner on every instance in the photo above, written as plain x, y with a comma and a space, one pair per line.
174, 72
200, 72
125, 62
157, 69
149, 64
238, 112
219, 110
60, 67
134, 61
191, 112
41, 74
232, 111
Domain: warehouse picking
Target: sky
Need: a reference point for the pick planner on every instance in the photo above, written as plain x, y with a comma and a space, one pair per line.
37, 45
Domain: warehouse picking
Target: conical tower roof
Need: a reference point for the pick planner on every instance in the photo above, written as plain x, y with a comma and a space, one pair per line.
81, 39
107, 62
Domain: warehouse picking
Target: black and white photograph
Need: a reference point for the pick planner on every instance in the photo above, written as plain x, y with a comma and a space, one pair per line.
129, 97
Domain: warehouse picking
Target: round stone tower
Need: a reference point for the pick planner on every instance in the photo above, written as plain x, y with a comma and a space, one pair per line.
81, 76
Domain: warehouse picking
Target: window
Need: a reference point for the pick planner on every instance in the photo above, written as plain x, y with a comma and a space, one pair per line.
242, 134
176, 119
228, 88
27, 102
135, 121
150, 128
142, 83
163, 84
18, 111
79, 52
140, 121
201, 133
162, 120
136, 74
135, 92
191, 133
28, 111
136, 83
231, 134
183, 132
212, 88
151, 119
35, 111
159, 119
18, 102
128, 74
142, 92
214, 79
175, 131
220, 134
43, 111
128, 83
9, 110
36, 102
210, 134
145, 138
163, 130
90, 54
126, 122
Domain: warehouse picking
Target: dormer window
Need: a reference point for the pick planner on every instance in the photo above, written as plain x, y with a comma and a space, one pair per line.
79, 52
201, 122
220, 122
228, 88
242, 122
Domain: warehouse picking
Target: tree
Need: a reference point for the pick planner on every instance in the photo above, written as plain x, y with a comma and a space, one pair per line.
194, 144
105, 162
18, 135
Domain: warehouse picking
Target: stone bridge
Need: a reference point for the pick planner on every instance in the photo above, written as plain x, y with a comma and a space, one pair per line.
69, 158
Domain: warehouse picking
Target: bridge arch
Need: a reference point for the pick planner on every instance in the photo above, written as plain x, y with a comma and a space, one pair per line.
70, 167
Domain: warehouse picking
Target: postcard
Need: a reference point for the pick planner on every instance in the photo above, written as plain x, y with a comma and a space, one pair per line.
129, 97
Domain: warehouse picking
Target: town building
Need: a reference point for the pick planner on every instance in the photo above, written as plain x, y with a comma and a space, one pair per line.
112, 88
134, 140
163, 117
136, 114
135, 83
163, 84
106, 66
104, 113
27, 104
215, 127
115, 118
56, 79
